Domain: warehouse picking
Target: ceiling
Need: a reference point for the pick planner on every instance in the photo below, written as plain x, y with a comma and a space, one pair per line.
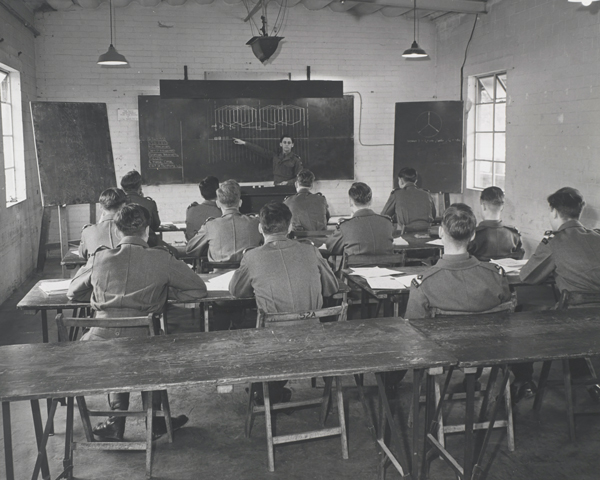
427, 9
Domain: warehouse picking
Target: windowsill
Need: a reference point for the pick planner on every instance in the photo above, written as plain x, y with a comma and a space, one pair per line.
11, 204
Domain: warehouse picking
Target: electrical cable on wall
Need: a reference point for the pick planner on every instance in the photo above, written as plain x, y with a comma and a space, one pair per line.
360, 125
465, 59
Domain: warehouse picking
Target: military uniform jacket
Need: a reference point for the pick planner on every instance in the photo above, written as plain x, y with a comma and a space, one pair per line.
309, 210
197, 214
285, 166
133, 280
571, 254
148, 204
493, 241
458, 283
104, 233
285, 276
225, 238
364, 233
412, 207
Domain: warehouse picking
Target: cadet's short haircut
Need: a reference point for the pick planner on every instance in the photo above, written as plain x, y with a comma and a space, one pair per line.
132, 220
275, 217
208, 187
360, 193
492, 196
459, 222
305, 178
568, 202
408, 174
229, 193
286, 136
131, 181
112, 199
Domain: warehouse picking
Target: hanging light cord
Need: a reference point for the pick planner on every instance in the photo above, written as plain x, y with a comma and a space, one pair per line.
465, 59
415, 21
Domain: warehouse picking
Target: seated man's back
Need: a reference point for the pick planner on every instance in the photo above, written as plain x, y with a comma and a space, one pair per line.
309, 210
197, 213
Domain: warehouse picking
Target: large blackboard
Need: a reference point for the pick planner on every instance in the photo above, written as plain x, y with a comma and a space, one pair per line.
184, 140
74, 151
428, 138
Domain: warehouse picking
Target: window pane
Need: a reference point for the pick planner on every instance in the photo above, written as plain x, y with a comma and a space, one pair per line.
11, 185
9, 153
486, 90
502, 80
485, 117
6, 113
499, 147
483, 174
484, 146
5, 89
499, 174
500, 120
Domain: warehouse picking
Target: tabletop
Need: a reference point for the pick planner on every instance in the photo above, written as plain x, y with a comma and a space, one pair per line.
220, 358
500, 338
36, 299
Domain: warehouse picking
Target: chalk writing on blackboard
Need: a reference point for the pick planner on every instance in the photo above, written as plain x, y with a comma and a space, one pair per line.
161, 155
266, 118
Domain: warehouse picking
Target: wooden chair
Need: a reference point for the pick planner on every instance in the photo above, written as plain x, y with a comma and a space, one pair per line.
507, 423
570, 300
150, 322
281, 320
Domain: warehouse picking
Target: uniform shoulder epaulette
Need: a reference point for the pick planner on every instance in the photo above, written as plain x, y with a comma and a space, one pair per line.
493, 267
101, 247
251, 215
343, 220
163, 248
86, 226
288, 197
596, 230
193, 204
318, 193
386, 216
417, 281
395, 190
513, 229
149, 198
208, 220
548, 235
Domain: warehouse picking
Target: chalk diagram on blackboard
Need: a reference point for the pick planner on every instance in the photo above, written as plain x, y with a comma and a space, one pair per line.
251, 124
428, 124
161, 156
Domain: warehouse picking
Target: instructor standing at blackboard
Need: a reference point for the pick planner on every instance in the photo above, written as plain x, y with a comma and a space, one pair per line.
286, 165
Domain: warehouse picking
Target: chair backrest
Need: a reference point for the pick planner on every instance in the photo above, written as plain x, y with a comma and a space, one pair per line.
374, 260
503, 307
265, 319
578, 299
63, 322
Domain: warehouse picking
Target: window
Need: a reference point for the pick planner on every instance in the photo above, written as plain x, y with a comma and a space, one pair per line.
12, 135
486, 132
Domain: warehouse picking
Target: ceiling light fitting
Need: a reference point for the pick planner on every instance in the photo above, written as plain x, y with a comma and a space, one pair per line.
415, 51
585, 3
264, 46
112, 58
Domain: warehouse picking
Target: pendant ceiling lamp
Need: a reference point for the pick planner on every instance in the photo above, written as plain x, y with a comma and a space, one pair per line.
585, 3
112, 58
415, 51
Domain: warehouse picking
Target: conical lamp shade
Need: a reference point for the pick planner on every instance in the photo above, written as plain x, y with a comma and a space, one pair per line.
414, 51
264, 47
112, 57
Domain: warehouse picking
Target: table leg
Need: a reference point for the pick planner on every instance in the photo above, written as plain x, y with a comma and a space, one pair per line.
206, 316
470, 374
42, 439
68, 460
8, 457
44, 326
417, 378
364, 304
267, 403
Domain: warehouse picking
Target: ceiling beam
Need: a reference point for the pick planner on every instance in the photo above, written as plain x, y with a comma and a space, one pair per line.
455, 6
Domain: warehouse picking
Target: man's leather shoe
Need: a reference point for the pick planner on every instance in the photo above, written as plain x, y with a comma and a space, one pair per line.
111, 429
159, 425
594, 392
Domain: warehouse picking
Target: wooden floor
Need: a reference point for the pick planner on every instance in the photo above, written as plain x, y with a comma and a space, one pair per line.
212, 445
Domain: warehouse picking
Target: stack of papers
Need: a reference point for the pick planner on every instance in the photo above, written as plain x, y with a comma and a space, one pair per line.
437, 241
390, 283
510, 265
372, 272
399, 241
220, 283
55, 288
173, 226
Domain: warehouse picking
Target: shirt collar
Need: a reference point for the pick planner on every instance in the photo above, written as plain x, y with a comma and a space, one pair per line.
363, 212
133, 240
106, 216
490, 223
212, 203
276, 237
570, 224
231, 211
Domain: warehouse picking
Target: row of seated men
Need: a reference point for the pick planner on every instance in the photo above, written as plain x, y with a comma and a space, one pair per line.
285, 275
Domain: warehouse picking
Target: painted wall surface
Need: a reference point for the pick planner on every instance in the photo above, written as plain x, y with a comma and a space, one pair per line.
551, 53
20, 223
363, 52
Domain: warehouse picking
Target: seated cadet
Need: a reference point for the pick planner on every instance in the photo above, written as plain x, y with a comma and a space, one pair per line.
198, 213
458, 281
132, 184
104, 233
492, 239
284, 275
309, 210
571, 254
412, 207
225, 238
366, 232
128, 281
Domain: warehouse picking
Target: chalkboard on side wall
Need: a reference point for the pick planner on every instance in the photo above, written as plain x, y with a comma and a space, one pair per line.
428, 137
74, 151
185, 140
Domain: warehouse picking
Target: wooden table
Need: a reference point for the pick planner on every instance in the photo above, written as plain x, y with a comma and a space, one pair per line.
507, 338
72, 260
38, 371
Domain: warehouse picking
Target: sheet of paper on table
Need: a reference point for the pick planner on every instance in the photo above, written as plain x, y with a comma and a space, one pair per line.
437, 241
323, 247
510, 265
220, 283
371, 272
75, 252
390, 283
399, 241
173, 225
55, 288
